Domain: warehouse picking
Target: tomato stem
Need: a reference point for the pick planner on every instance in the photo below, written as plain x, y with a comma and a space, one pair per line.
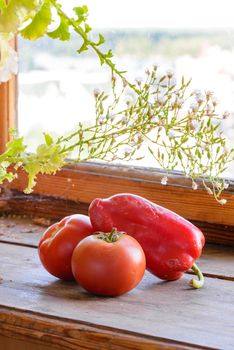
194, 282
110, 237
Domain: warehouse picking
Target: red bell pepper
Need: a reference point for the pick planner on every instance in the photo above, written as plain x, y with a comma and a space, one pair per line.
171, 244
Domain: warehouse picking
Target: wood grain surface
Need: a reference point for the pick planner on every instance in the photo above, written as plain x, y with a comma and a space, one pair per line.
83, 185
155, 308
38, 206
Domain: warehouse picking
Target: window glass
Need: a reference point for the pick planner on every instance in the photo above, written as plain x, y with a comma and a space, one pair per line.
195, 39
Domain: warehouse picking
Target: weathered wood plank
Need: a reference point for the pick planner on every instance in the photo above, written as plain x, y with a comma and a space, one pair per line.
62, 334
83, 185
20, 230
217, 261
155, 308
51, 208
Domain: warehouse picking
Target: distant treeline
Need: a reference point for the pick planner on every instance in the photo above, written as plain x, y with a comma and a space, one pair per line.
137, 42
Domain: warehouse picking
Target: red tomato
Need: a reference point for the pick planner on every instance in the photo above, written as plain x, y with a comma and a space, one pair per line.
108, 264
58, 242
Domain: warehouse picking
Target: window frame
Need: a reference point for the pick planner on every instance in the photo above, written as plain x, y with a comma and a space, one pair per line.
85, 181
8, 110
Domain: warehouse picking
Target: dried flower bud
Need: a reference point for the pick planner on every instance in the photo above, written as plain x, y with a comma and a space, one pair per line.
96, 92
215, 101
209, 191
147, 71
209, 94
225, 150
226, 114
170, 73
164, 180
138, 81
125, 82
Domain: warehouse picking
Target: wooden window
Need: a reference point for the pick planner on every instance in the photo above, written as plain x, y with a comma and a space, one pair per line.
84, 182
7, 110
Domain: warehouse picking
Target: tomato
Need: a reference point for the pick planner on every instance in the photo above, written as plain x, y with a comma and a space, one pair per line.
58, 242
108, 264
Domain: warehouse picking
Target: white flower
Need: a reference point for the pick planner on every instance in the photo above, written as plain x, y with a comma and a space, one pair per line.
226, 185
197, 92
101, 119
112, 116
194, 106
222, 201
171, 134
195, 125
180, 102
170, 73
127, 150
194, 186
200, 99
154, 119
160, 99
124, 119
8, 59
164, 180
209, 109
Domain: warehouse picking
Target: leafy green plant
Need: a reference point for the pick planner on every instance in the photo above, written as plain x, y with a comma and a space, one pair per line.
176, 127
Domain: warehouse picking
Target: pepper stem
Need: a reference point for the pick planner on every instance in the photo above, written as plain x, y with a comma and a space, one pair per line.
194, 282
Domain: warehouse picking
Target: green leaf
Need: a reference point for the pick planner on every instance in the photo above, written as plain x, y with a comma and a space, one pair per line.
81, 12
87, 28
2, 4
16, 12
46, 160
84, 47
62, 32
39, 25
101, 40
48, 139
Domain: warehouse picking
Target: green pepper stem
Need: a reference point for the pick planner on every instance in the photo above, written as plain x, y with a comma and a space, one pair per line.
200, 282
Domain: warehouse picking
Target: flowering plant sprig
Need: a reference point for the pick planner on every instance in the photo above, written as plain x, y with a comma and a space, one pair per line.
177, 128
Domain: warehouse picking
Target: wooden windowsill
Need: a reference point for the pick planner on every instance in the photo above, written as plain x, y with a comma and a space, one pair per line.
83, 182
39, 309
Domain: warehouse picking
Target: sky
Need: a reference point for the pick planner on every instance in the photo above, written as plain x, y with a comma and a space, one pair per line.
158, 14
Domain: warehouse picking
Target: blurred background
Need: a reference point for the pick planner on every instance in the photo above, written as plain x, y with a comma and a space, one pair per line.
195, 39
